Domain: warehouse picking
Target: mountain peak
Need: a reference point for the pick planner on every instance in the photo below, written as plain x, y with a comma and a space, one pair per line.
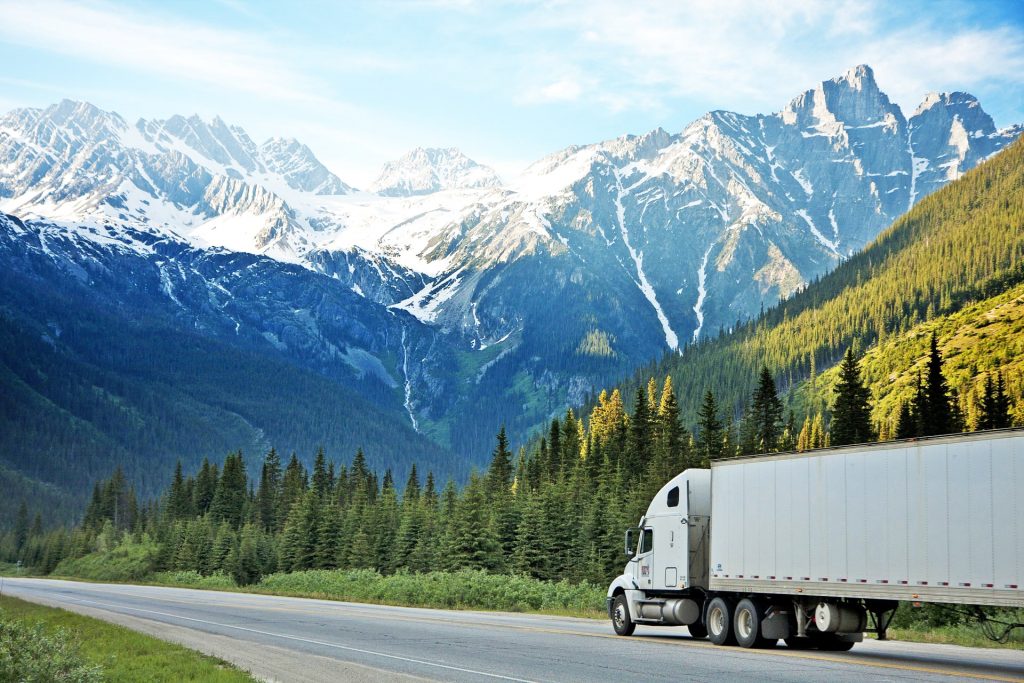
852, 99
860, 77
423, 170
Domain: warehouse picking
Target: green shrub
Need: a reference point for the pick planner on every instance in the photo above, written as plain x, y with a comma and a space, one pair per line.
31, 654
466, 589
129, 561
193, 579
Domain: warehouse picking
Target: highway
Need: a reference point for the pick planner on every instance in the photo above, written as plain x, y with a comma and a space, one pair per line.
295, 639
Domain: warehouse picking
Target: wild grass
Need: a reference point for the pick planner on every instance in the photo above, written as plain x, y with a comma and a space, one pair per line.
41, 640
128, 561
466, 589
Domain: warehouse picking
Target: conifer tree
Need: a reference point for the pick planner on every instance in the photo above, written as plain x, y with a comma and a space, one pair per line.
231, 492
293, 486
638, 443
554, 463
321, 482
328, 549
269, 493
936, 412
471, 542
177, 505
499, 474
247, 566
205, 487
766, 412
710, 431
851, 414
906, 423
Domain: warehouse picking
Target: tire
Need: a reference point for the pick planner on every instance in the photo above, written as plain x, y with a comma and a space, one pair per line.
719, 622
698, 630
621, 621
747, 624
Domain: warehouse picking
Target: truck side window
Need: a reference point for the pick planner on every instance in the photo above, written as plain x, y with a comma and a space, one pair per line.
673, 497
647, 542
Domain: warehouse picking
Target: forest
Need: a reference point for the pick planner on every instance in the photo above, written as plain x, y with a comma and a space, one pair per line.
554, 510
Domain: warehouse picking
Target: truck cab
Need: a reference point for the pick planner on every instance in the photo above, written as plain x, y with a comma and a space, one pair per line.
667, 573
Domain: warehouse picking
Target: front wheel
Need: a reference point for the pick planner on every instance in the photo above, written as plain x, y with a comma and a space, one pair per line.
621, 621
719, 622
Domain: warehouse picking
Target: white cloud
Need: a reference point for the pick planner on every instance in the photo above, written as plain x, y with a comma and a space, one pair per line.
562, 90
156, 44
737, 53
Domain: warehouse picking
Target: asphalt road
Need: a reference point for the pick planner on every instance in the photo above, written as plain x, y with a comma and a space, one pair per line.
294, 639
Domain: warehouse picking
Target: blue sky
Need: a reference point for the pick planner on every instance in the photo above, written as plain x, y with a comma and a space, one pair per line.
362, 82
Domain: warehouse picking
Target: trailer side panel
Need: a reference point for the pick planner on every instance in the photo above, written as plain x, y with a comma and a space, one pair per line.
938, 519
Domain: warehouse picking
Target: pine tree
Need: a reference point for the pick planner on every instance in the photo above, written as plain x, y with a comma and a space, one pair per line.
328, 549
766, 413
321, 482
247, 566
21, 529
936, 412
471, 542
710, 431
231, 494
1001, 405
638, 443
673, 439
177, 506
499, 474
906, 423
205, 488
293, 486
851, 414
269, 493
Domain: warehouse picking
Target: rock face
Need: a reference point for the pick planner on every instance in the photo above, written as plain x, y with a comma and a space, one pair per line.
423, 171
505, 301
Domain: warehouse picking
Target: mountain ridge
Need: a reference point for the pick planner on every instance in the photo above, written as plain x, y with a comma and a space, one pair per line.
465, 308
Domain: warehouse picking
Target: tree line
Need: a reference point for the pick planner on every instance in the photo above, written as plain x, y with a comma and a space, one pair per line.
555, 509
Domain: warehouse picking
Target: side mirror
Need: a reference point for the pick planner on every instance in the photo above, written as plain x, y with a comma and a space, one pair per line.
630, 542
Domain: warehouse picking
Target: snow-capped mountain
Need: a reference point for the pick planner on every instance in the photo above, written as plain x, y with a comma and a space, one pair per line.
426, 170
523, 295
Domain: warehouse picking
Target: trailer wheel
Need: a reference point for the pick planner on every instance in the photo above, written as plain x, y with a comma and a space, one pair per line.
621, 621
698, 630
719, 622
747, 624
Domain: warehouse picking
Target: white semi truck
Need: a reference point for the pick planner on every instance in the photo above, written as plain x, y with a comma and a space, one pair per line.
805, 547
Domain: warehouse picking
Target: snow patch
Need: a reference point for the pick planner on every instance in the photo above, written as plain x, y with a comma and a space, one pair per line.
638, 259
702, 292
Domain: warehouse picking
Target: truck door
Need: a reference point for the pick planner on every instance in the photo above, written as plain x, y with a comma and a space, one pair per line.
645, 559
669, 563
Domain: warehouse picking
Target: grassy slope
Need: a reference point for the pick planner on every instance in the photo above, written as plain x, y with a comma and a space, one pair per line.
984, 336
124, 654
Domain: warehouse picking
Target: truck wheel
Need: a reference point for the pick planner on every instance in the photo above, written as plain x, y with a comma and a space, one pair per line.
621, 621
698, 630
747, 624
719, 622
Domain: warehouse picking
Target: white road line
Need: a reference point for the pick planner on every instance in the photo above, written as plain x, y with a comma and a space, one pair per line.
306, 640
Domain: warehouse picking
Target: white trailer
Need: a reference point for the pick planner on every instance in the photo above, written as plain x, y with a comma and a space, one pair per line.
804, 546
